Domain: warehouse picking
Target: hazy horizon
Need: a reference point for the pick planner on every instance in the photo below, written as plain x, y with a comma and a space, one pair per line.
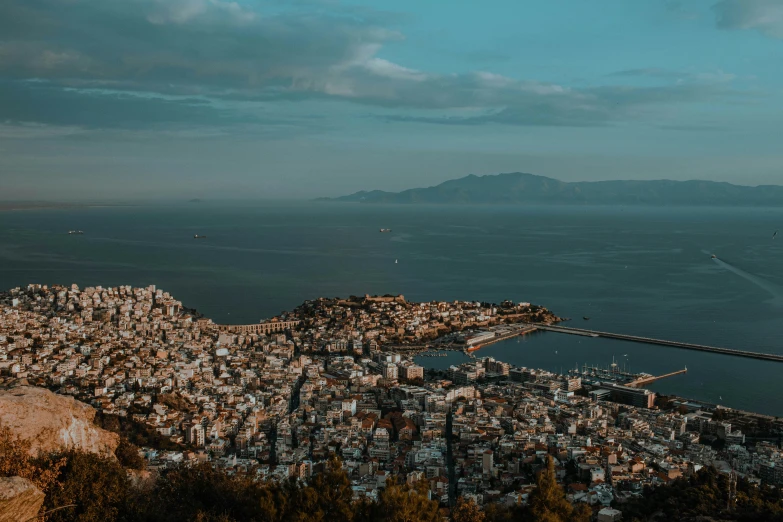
266, 99
9, 203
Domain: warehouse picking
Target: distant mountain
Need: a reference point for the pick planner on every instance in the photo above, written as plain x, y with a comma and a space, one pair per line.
519, 188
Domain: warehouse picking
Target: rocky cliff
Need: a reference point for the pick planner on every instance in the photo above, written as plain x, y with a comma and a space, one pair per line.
20, 500
54, 422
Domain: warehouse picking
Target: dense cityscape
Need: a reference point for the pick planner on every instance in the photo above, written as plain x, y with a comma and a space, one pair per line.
337, 377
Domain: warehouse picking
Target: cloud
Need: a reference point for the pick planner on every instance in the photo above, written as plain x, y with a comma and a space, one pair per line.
717, 76
209, 43
23, 131
579, 108
135, 63
765, 16
49, 104
183, 11
41, 109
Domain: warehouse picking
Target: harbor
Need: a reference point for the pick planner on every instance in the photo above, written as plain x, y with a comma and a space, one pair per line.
594, 375
494, 335
464, 342
660, 342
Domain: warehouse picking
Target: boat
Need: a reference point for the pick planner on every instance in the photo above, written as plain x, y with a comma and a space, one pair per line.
586, 318
714, 256
385, 230
196, 236
75, 232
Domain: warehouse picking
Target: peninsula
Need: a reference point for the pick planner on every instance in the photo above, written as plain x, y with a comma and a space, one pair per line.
336, 376
528, 189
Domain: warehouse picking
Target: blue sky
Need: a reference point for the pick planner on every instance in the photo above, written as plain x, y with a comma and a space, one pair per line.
126, 99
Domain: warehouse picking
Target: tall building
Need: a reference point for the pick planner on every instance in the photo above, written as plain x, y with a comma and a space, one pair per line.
195, 434
390, 371
638, 397
487, 462
411, 371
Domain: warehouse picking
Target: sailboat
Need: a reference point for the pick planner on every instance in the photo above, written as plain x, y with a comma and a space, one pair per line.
395, 261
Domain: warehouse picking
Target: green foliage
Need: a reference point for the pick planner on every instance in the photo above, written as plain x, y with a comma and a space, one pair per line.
501, 513
202, 493
705, 494
137, 433
333, 494
467, 511
101, 491
400, 503
15, 461
128, 455
548, 502
99, 488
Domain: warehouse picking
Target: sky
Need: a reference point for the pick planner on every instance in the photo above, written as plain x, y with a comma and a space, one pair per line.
138, 99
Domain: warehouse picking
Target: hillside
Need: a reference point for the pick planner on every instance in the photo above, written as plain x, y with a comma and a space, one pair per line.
521, 188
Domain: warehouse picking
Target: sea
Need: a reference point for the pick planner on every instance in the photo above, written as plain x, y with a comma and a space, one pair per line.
644, 271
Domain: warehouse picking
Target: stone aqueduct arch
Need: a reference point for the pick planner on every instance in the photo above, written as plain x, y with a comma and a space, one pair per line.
265, 328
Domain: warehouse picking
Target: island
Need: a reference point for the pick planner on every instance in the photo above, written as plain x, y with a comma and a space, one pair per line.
519, 188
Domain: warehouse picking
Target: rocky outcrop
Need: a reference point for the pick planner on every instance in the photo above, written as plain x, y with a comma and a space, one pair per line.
20, 500
54, 422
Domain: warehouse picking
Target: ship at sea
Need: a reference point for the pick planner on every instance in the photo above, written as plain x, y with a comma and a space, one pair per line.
75, 232
196, 236
385, 230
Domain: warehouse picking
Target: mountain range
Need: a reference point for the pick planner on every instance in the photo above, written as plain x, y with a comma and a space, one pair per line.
519, 188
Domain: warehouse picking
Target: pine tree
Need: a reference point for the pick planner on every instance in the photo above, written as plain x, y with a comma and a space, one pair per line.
548, 502
333, 493
467, 511
402, 503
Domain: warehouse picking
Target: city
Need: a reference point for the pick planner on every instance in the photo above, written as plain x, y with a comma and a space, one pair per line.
337, 377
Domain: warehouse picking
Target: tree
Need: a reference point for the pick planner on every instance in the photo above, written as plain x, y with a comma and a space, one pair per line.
128, 455
328, 497
582, 513
335, 492
501, 513
403, 503
99, 487
548, 502
467, 511
202, 493
15, 461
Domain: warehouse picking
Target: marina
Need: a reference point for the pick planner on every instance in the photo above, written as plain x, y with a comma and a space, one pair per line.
595, 375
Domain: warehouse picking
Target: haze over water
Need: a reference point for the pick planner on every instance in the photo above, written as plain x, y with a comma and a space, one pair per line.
644, 271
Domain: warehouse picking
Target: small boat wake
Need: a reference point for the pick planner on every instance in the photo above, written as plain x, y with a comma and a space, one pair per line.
771, 288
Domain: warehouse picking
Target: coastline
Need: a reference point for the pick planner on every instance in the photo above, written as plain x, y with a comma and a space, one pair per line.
7, 206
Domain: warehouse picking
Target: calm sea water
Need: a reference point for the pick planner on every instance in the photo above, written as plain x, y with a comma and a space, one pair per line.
641, 271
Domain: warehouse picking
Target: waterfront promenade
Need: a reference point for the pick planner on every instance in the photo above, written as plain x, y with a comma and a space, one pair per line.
501, 334
661, 342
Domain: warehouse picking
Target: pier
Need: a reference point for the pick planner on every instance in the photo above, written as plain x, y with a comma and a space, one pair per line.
649, 379
507, 332
661, 342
